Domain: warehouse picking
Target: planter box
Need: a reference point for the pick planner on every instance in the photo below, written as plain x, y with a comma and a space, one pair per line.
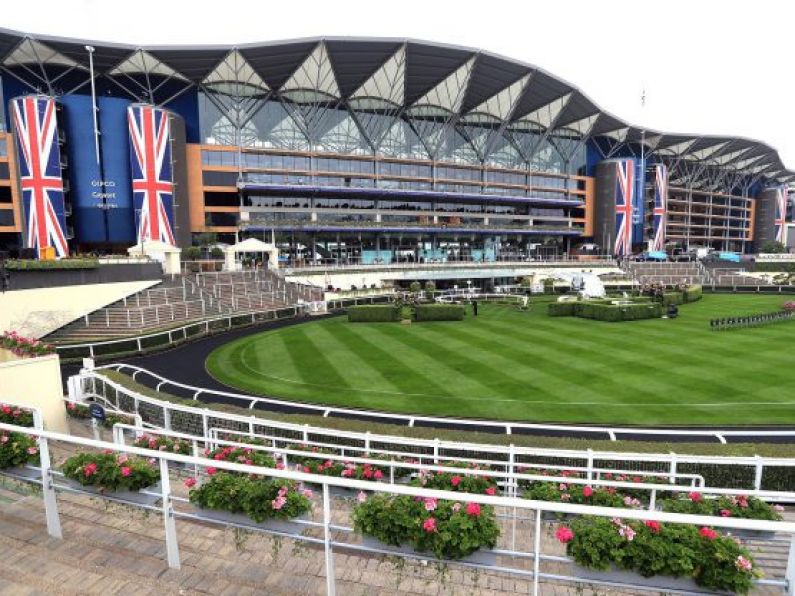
478, 557
751, 534
135, 497
24, 472
282, 526
656, 582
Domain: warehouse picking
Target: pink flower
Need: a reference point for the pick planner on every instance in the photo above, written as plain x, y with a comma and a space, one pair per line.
654, 526
455, 480
211, 471
627, 532
361, 497
564, 535
565, 497
278, 503
708, 533
126, 471
307, 493
280, 466
694, 496
725, 513
378, 474
122, 458
4, 439
430, 504
429, 525
190, 482
473, 509
778, 508
90, 469
587, 491
491, 491
456, 507
32, 451
743, 564
563, 486
742, 501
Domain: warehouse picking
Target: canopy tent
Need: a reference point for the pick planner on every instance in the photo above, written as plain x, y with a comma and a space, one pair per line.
250, 246
167, 254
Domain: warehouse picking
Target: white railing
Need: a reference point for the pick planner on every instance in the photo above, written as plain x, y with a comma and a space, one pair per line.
174, 508
612, 433
205, 424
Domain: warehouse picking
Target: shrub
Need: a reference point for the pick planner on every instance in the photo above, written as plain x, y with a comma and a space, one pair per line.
257, 497
693, 293
216, 252
725, 506
415, 287
241, 455
37, 265
651, 548
192, 253
466, 483
450, 530
439, 312
616, 312
17, 449
377, 313
110, 471
562, 309
11, 414
25, 346
163, 443
670, 298
430, 286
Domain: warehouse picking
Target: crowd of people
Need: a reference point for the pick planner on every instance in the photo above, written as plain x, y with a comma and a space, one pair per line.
751, 320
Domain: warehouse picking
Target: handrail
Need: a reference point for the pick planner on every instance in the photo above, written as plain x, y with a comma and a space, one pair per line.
509, 505
84, 386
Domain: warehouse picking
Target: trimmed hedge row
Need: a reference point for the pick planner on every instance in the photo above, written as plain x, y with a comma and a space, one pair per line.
601, 310
562, 309
439, 312
693, 293
377, 313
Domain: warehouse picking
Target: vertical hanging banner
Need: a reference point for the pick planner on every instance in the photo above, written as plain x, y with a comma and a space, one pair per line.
660, 207
36, 127
781, 213
625, 191
150, 161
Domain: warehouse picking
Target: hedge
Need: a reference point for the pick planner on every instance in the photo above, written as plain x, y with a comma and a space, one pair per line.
439, 312
562, 309
378, 313
36, 265
616, 312
670, 298
693, 293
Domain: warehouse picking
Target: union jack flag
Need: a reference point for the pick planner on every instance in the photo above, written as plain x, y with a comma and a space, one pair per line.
660, 206
40, 173
625, 189
150, 158
781, 213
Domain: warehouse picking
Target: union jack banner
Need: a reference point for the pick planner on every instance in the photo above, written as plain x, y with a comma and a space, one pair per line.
150, 158
781, 213
625, 190
660, 207
40, 173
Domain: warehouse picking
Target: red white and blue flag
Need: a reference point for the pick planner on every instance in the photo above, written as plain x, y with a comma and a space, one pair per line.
781, 213
40, 175
625, 191
150, 159
660, 207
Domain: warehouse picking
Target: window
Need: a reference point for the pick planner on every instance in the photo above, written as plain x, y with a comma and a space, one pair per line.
212, 178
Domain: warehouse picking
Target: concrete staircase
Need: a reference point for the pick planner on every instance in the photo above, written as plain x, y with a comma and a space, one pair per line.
668, 274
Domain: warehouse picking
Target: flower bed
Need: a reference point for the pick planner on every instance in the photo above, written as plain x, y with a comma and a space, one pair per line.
240, 455
652, 549
468, 483
110, 472
260, 499
449, 530
25, 347
17, 449
724, 506
163, 443
11, 414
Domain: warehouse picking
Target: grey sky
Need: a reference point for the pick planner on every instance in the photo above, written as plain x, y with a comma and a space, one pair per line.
708, 67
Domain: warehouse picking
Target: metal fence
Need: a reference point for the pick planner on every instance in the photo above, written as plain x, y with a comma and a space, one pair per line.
507, 560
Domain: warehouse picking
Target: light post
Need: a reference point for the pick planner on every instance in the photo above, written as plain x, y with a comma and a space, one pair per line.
90, 50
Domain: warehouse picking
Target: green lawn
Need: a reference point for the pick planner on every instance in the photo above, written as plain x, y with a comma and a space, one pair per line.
513, 365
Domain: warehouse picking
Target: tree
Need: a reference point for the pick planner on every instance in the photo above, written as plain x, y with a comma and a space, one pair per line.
430, 286
773, 246
192, 253
415, 287
216, 253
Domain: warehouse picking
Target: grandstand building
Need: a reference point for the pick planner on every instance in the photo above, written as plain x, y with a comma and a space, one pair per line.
353, 149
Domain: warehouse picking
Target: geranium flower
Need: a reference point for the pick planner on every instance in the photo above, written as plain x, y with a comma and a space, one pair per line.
653, 525
429, 525
725, 513
627, 532
361, 497
708, 533
190, 482
564, 535
563, 486
378, 475
491, 491
32, 451
307, 493
126, 471
456, 507
90, 469
473, 509
694, 496
778, 508
211, 471
455, 480
587, 491
278, 503
743, 564
430, 504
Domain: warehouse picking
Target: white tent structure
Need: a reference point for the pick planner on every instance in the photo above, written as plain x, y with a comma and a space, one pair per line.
250, 246
167, 254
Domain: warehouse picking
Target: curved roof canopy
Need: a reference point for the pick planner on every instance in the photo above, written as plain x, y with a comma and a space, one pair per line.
403, 77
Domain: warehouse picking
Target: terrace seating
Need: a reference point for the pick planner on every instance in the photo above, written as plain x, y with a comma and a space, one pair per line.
668, 274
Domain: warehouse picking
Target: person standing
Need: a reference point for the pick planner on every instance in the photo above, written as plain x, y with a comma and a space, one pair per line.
475, 307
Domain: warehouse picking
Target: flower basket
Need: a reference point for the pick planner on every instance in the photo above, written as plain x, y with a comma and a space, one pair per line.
662, 583
480, 557
290, 527
128, 496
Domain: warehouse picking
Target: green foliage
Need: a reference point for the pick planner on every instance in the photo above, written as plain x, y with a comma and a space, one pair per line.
562, 309
164, 443
774, 267
259, 498
242, 455
192, 253
415, 287
11, 414
399, 520
110, 471
430, 286
17, 449
82, 412
773, 246
671, 549
466, 483
25, 346
670, 298
37, 265
376, 313
439, 312
216, 253
693, 294
616, 312
737, 507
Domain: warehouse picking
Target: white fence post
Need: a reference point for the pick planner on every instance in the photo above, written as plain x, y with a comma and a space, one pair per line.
331, 587
172, 544
48, 489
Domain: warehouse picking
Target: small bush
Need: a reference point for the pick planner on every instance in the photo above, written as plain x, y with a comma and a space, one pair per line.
439, 312
17, 449
110, 471
377, 313
673, 298
693, 293
562, 309
615, 312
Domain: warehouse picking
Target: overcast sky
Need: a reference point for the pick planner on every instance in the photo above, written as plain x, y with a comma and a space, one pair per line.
711, 67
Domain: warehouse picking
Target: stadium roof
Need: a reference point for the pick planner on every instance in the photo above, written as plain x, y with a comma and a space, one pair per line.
412, 77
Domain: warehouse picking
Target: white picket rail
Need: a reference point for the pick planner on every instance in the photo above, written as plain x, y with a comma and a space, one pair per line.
91, 384
50, 481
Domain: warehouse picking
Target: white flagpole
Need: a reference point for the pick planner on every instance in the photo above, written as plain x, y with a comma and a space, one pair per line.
90, 50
